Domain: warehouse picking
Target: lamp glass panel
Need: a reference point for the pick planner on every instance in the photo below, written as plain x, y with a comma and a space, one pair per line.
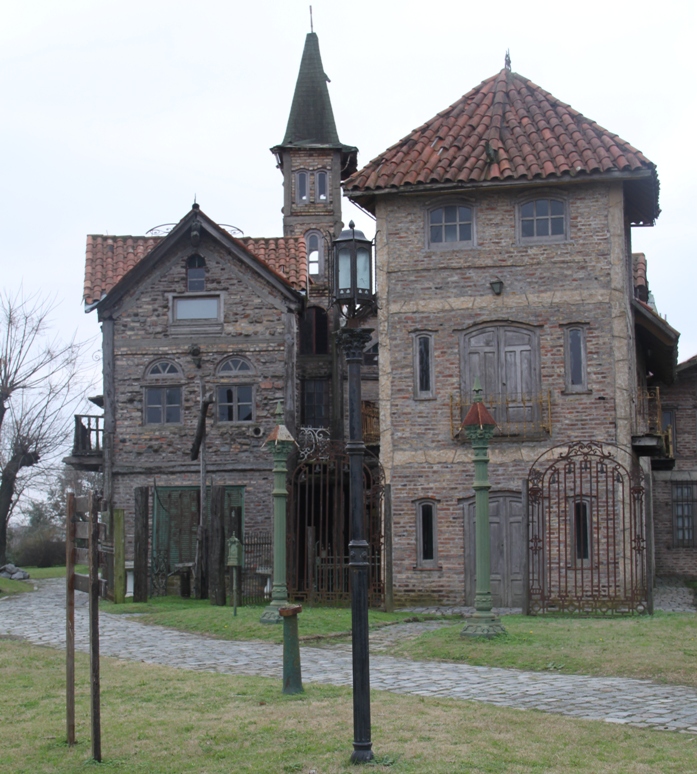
363, 268
344, 269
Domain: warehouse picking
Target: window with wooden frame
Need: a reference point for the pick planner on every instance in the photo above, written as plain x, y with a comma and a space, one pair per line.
424, 371
195, 274
451, 224
162, 403
575, 361
543, 220
235, 401
426, 534
684, 514
314, 245
315, 403
321, 187
314, 332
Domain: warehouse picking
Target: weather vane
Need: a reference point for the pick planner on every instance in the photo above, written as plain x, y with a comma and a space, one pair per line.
312, 29
507, 61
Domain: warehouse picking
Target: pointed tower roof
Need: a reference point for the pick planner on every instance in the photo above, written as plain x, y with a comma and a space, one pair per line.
508, 131
311, 120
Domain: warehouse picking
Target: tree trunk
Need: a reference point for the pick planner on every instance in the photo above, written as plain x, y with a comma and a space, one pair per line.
7, 489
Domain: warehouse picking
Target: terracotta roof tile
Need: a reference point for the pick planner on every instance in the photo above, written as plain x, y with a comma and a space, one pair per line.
109, 258
533, 134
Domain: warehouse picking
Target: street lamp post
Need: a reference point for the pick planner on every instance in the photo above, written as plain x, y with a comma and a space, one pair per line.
354, 293
479, 426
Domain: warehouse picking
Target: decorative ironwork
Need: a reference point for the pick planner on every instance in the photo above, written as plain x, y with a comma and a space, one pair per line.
257, 572
527, 415
370, 415
587, 536
232, 230
318, 527
314, 443
162, 230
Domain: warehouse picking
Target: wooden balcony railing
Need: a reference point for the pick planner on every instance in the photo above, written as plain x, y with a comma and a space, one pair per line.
89, 435
370, 413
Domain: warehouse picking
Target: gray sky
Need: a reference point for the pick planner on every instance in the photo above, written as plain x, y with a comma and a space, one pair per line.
115, 114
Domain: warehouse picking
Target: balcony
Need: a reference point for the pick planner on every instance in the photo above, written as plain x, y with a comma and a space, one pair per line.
652, 438
88, 440
525, 416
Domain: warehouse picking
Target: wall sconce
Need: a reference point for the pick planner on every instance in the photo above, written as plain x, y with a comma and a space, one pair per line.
497, 286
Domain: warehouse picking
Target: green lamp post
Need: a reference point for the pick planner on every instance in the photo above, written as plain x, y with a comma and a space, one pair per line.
281, 442
479, 426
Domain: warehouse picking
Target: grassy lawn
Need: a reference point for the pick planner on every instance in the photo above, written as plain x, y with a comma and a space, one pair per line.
201, 617
160, 720
8, 586
662, 648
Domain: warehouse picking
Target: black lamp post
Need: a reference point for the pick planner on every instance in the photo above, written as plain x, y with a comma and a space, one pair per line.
353, 291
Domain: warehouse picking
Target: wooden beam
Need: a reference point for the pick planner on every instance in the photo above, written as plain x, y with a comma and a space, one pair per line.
140, 544
81, 582
201, 426
216, 545
94, 631
70, 619
119, 557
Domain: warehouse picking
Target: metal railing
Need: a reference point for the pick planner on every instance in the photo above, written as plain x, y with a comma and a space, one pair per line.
649, 418
89, 435
522, 415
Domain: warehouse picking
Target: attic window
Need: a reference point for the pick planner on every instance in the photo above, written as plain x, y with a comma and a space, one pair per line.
543, 219
195, 274
196, 308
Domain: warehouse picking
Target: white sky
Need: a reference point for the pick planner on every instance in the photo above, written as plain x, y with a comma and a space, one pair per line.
115, 114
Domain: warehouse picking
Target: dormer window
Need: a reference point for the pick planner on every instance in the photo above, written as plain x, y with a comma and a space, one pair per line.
320, 186
451, 224
302, 188
543, 220
195, 274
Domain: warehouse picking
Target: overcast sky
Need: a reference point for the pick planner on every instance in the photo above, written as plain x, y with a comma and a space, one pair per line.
116, 114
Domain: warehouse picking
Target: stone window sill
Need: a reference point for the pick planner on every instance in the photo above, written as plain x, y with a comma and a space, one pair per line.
420, 568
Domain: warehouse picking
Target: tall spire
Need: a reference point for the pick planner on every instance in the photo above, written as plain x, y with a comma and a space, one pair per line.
311, 120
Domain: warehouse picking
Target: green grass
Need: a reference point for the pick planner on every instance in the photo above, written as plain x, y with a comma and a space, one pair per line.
662, 648
158, 720
200, 617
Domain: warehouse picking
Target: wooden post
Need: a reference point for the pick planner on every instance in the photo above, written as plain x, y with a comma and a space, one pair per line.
94, 629
140, 545
387, 526
216, 555
119, 557
70, 618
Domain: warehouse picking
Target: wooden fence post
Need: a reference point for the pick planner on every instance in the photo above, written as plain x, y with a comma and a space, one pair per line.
94, 629
140, 545
216, 555
70, 618
119, 557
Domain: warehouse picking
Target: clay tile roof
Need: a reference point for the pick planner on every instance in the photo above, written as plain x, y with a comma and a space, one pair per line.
109, 258
505, 129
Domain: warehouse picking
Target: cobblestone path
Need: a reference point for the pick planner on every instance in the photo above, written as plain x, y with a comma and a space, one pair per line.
40, 619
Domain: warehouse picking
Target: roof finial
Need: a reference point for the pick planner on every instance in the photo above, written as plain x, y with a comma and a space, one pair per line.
507, 61
312, 29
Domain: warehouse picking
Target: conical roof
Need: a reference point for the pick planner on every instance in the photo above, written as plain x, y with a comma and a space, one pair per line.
311, 120
507, 129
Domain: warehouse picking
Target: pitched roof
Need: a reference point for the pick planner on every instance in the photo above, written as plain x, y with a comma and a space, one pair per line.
311, 120
505, 130
109, 258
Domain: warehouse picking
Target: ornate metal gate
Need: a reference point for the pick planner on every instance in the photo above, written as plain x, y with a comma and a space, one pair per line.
318, 523
587, 549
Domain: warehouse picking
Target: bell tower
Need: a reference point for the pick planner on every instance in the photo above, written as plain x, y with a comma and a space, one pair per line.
311, 157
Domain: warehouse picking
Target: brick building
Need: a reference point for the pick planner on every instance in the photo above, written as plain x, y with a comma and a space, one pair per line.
504, 253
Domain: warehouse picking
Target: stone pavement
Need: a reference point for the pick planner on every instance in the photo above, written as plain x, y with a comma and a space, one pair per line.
40, 619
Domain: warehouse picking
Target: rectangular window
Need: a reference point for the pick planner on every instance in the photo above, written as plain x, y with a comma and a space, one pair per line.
196, 308
236, 403
315, 406
162, 405
426, 534
424, 386
575, 359
684, 510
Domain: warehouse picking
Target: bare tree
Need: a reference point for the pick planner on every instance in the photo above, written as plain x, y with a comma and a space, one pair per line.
38, 387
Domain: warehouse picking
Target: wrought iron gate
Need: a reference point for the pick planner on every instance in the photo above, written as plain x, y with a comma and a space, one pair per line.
587, 549
318, 523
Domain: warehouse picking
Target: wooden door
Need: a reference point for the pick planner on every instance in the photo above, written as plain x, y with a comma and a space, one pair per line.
507, 541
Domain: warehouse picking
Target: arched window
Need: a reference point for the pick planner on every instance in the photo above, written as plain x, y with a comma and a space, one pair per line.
236, 399
302, 187
314, 244
162, 402
426, 534
424, 377
543, 220
451, 224
321, 192
575, 358
314, 332
195, 273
